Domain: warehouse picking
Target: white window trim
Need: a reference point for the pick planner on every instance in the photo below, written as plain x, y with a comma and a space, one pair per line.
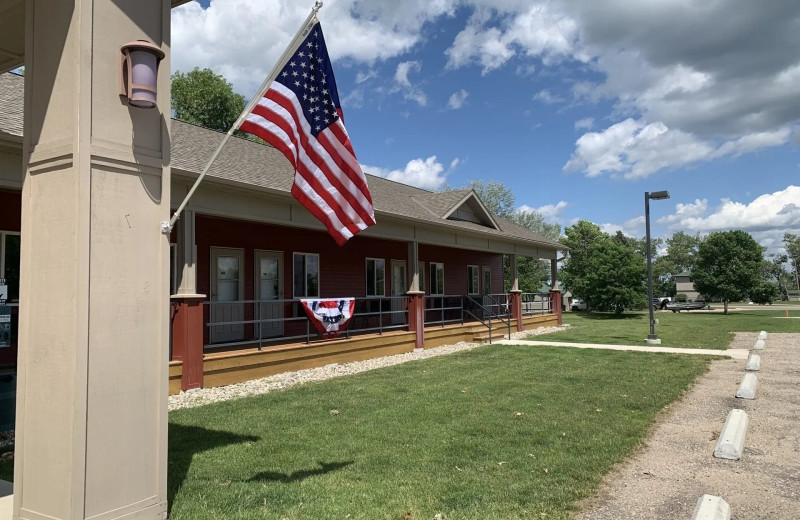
421, 269
319, 274
366, 261
475, 290
433, 285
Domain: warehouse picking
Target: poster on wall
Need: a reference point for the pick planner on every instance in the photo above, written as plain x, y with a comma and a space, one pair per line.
3, 291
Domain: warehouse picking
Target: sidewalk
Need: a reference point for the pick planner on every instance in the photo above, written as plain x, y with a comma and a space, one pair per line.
735, 353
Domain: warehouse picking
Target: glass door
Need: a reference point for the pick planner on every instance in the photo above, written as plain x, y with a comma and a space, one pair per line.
398, 289
269, 289
227, 285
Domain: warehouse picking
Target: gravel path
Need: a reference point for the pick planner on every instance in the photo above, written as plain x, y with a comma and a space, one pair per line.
674, 467
202, 396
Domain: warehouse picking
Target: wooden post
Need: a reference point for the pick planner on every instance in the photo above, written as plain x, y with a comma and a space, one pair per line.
416, 317
515, 299
187, 339
555, 291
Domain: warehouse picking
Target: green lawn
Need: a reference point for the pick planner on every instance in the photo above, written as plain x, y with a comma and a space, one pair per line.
693, 329
500, 432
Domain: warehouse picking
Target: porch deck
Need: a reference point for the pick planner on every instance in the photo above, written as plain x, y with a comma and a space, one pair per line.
246, 363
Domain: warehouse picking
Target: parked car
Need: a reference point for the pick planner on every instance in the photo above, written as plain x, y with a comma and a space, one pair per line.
579, 305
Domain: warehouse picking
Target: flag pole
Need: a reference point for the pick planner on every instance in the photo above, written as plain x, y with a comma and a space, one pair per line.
166, 226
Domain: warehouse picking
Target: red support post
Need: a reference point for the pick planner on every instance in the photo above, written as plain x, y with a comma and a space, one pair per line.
555, 304
515, 299
416, 317
187, 339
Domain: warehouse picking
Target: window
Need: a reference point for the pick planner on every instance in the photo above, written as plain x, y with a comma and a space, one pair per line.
306, 275
376, 277
421, 269
9, 263
473, 279
437, 278
487, 280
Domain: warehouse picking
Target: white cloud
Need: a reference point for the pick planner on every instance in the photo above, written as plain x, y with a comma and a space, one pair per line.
361, 77
547, 97
584, 124
769, 212
403, 69
635, 149
550, 212
427, 173
541, 29
633, 228
457, 99
767, 217
403, 84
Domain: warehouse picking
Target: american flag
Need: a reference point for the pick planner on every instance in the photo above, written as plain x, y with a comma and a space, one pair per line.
300, 115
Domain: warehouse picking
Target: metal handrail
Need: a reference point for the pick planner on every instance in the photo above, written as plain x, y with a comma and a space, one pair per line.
491, 314
528, 299
257, 321
443, 308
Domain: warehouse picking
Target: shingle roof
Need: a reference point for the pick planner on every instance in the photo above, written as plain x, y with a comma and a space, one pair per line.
253, 164
12, 94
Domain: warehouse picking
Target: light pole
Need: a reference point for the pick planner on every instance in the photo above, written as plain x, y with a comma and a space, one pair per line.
656, 195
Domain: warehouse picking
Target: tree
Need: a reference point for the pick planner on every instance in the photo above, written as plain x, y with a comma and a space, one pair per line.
792, 244
682, 251
203, 98
767, 288
728, 266
607, 272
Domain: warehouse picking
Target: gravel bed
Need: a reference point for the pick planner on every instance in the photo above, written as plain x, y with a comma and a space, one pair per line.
203, 396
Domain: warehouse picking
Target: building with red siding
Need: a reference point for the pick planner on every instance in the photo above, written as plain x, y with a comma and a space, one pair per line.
244, 252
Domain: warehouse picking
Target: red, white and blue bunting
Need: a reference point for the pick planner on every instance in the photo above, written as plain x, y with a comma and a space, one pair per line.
329, 315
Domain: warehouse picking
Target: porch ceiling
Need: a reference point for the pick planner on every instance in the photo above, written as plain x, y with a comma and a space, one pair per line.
12, 33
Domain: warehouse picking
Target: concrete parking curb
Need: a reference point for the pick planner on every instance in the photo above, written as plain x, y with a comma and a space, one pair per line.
762, 334
731, 441
759, 345
747, 389
753, 363
710, 507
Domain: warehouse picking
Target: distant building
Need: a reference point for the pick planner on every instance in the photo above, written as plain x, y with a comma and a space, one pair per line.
684, 285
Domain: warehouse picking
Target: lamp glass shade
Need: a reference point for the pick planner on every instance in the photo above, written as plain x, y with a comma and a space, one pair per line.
144, 72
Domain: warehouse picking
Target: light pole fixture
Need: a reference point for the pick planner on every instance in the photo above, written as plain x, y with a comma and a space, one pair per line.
139, 62
656, 195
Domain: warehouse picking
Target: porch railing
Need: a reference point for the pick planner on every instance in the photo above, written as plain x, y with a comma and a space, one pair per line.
535, 303
443, 309
271, 322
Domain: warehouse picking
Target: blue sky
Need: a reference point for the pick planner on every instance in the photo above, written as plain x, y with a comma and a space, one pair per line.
578, 106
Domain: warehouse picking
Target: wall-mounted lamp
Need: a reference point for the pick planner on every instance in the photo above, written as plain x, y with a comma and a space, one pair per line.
139, 73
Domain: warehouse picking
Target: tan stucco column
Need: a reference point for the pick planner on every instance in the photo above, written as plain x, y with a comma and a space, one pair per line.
91, 429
